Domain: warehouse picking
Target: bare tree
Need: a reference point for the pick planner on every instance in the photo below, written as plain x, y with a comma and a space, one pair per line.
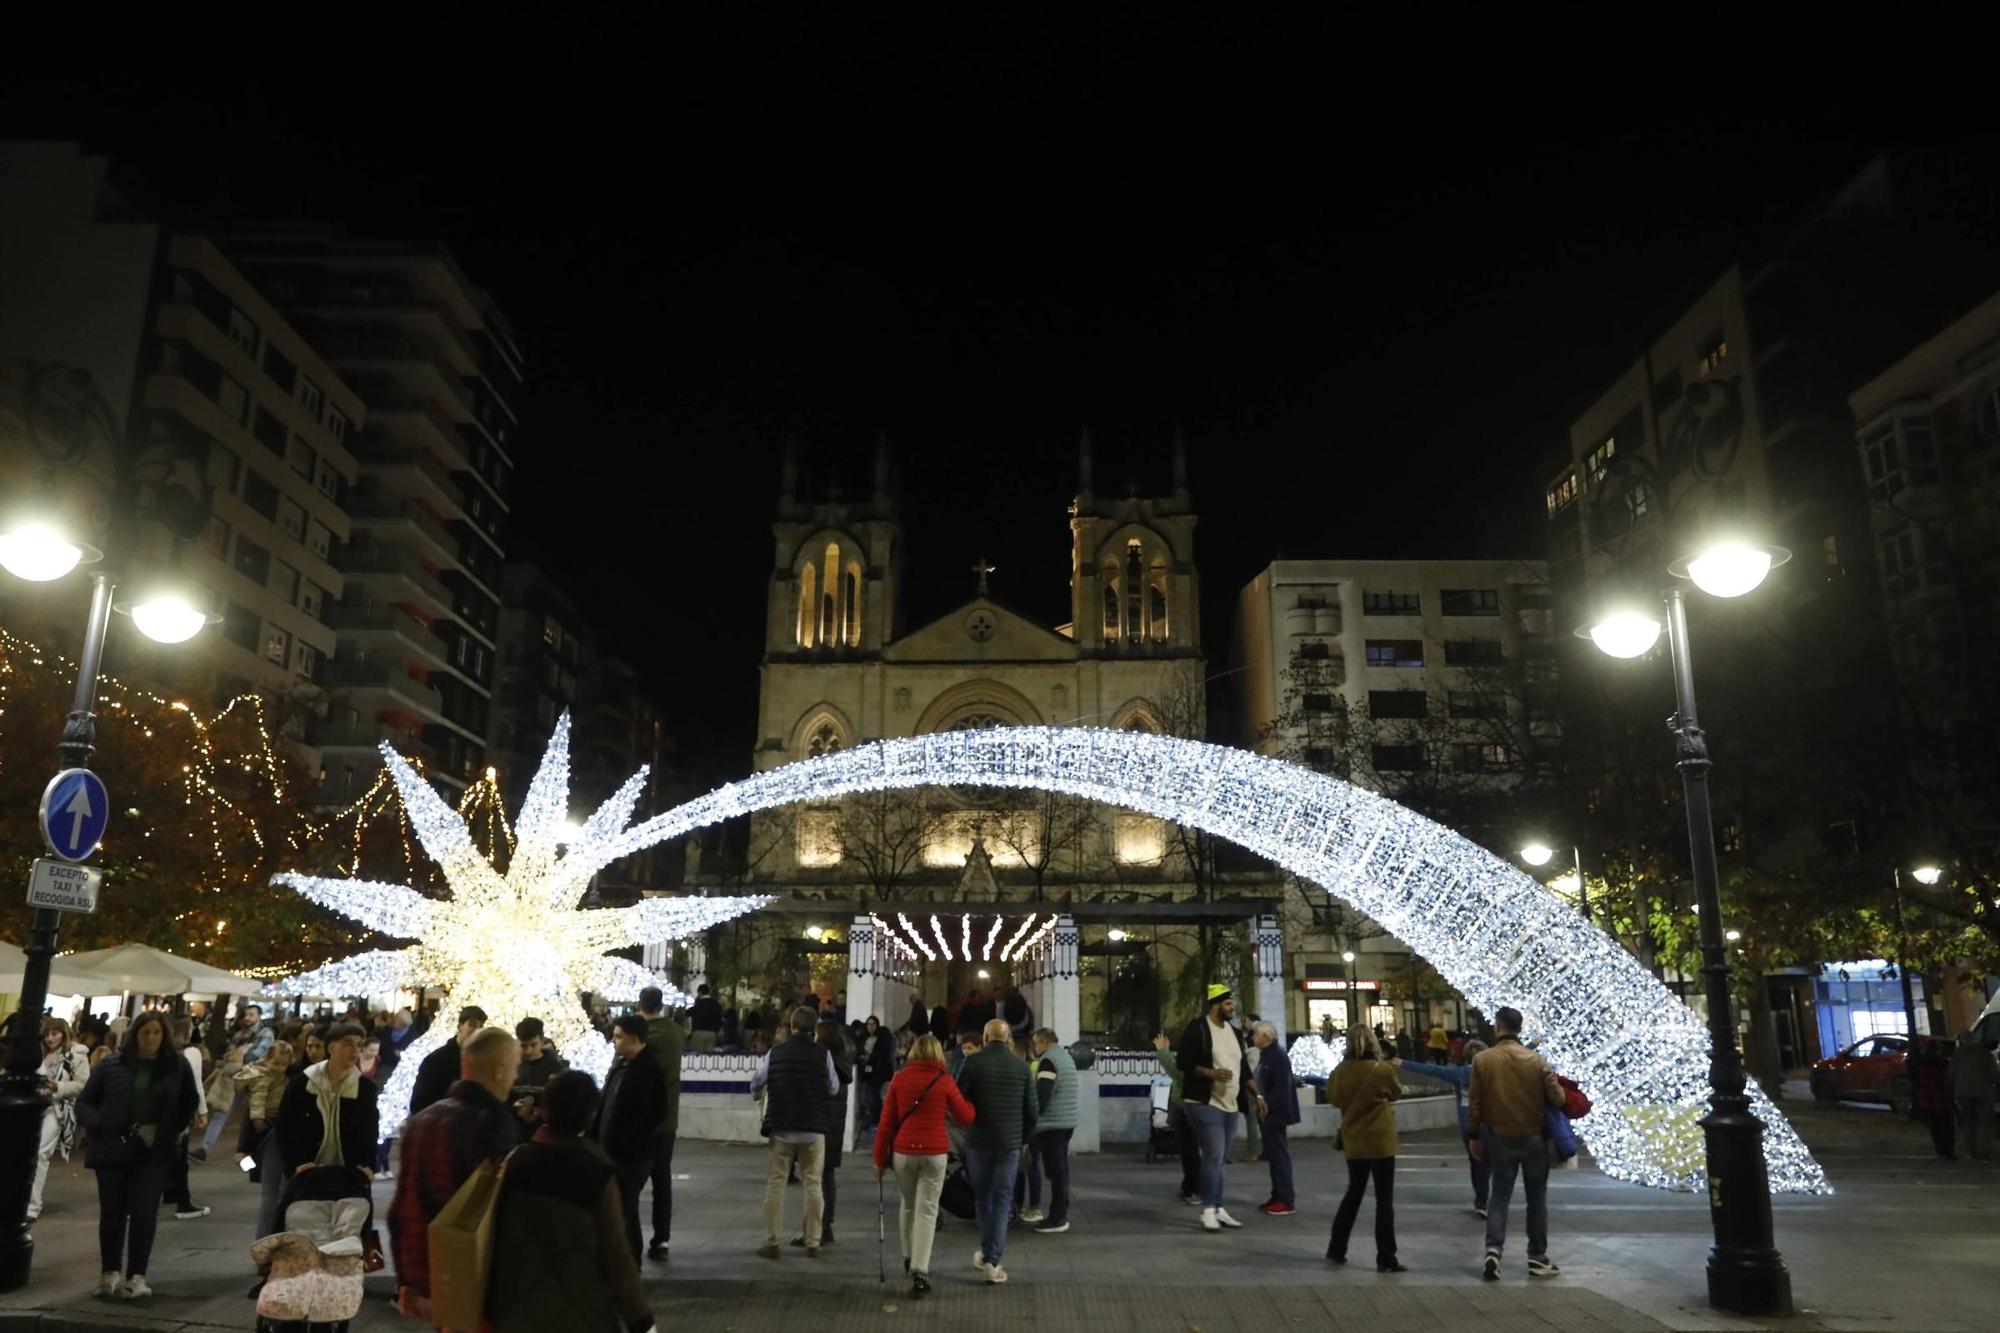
1042, 828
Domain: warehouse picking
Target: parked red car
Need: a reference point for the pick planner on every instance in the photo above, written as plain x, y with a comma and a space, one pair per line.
1874, 1069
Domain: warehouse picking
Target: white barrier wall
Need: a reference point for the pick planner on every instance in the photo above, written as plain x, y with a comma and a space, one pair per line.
1114, 1103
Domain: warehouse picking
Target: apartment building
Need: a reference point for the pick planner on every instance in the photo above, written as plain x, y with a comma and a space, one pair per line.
236, 430
432, 356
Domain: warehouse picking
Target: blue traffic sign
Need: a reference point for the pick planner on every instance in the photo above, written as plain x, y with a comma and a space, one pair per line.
75, 809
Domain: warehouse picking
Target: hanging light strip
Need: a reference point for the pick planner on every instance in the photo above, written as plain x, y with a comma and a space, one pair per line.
965, 937
943, 943
921, 944
1007, 954
986, 954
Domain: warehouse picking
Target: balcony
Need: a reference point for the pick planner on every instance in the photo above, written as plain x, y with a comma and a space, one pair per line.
1312, 620
387, 627
396, 573
395, 515
405, 471
369, 736
387, 676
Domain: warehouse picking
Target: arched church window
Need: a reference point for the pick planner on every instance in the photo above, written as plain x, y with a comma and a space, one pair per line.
808, 606
1135, 582
1156, 601
850, 596
829, 606
1110, 602
825, 739
978, 722
826, 620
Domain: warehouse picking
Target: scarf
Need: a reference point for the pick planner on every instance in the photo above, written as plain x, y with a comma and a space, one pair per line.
330, 1096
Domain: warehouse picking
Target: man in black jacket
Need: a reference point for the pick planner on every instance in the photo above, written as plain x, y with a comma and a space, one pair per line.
795, 1077
1215, 1069
635, 1096
440, 1068
704, 1020
307, 1136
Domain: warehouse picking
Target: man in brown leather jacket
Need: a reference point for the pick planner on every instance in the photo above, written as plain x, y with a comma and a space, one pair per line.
1511, 1091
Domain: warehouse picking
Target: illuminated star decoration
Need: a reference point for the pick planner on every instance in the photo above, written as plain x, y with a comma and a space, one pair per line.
513, 943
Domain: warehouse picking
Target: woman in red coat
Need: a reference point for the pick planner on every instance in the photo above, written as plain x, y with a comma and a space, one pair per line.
911, 1138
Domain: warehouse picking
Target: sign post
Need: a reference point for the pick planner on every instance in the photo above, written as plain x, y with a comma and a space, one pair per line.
75, 810
62, 887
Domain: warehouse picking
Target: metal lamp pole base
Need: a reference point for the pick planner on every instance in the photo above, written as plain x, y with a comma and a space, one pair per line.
1746, 1274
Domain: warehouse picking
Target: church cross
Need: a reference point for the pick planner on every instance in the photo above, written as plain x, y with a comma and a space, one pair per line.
982, 567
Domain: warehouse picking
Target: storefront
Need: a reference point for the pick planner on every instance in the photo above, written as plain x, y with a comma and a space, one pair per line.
1863, 998
1331, 998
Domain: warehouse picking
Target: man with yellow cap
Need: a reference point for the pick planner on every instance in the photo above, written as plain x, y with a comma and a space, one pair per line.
1216, 1071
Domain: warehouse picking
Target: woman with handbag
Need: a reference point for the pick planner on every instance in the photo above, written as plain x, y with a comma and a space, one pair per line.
65, 1069
136, 1105
911, 1139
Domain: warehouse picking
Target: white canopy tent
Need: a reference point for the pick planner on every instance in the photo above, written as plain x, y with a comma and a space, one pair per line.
142, 968
65, 977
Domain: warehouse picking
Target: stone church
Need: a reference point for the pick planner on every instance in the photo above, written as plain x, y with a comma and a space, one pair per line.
842, 667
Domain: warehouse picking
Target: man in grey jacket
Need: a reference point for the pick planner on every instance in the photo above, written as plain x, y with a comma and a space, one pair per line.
1972, 1077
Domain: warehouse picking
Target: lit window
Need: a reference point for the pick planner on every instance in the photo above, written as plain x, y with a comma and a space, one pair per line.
319, 539
817, 838
1599, 461
1004, 835
1395, 652
824, 740
1141, 839
305, 661
1713, 352
1563, 494
552, 633
277, 645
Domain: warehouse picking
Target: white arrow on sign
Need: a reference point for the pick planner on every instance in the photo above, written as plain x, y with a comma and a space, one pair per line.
78, 810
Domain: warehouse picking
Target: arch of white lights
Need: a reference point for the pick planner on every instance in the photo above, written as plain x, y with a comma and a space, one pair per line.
1495, 933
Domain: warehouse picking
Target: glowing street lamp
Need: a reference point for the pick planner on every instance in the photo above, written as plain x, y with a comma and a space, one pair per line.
1538, 854
41, 552
1927, 874
1746, 1274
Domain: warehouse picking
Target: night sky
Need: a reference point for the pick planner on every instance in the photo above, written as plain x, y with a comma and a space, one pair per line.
1373, 316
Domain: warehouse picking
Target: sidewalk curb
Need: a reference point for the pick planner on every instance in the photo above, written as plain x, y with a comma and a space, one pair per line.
69, 1321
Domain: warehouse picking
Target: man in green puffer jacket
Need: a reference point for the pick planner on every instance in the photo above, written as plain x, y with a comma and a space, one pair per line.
1002, 1094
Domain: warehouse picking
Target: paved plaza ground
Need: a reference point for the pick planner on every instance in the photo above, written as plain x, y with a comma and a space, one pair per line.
1908, 1243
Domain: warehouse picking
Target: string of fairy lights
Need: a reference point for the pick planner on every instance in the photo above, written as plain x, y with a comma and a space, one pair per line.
912, 941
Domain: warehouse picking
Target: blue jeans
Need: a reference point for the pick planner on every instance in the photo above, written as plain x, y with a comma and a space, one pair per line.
1530, 1157
1053, 1145
1278, 1152
1214, 1131
991, 1171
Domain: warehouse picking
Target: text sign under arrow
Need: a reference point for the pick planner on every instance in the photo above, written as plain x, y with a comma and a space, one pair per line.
64, 887
75, 809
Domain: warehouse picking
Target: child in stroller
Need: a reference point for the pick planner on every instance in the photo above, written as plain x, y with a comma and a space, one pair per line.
313, 1264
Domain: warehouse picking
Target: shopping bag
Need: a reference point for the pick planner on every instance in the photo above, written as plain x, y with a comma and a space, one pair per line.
461, 1237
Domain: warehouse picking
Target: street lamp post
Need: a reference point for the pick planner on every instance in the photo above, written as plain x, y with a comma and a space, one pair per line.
1923, 874
1348, 971
1539, 854
1746, 1274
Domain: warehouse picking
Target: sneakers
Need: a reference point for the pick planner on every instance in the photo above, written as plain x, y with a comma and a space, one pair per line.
1052, 1228
107, 1286
979, 1260
1034, 1215
920, 1286
135, 1288
1490, 1270
1542, 1266
1275, 1209
1191, 1200
1222, 1216
657, 1250
1209, 1220
1479, 1210
995, 1275
188, 1214
385, 1174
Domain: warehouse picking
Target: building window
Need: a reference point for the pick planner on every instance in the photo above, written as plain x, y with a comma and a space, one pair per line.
817, 836
1912, 558
1395, 652
261, 495
243, 332
1390, 603
279, 367
1466, 704
215, 538
1398, 703
251, 560
1110, 603
1532, 596
1481, 758
1563, 494
1898, 454
1397, 758
310, 397
1599, 461
327, 480
299, 457
1472, 652
270, 432
241, 626
284, 582
229, 396
1316, 703
824, 739
319, 539
291, 518
1470, 601
336, 423
277, 645
305, 661
552, 633
1311, 601
1315, 650
1141, 840
311, 598
1714, 350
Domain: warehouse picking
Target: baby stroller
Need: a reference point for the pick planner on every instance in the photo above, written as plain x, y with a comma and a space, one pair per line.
1162, 1139
313, 1264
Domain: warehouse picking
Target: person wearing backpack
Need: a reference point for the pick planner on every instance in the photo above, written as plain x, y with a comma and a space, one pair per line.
911, 1140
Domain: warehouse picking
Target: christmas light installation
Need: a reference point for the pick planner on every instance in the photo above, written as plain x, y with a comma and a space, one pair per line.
1497, 935
512, 942
985, 954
